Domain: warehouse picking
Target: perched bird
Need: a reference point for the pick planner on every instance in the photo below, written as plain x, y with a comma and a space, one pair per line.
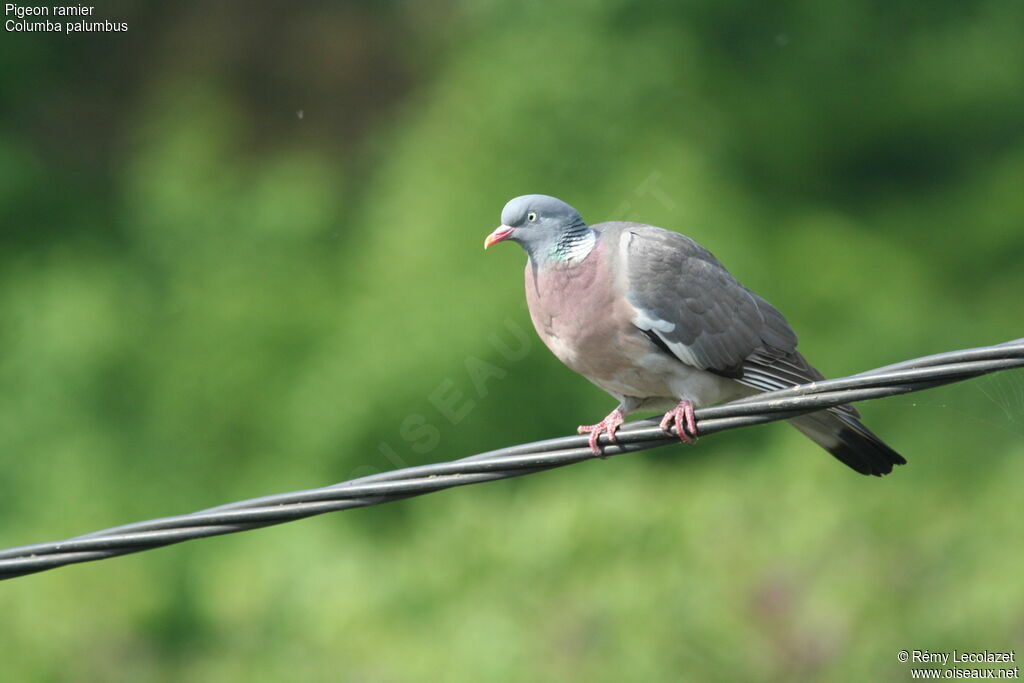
654, 319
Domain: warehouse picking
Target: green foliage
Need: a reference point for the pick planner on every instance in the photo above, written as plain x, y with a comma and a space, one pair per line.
257, 266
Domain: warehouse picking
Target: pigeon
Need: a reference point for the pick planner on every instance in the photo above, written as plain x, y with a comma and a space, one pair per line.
655, 320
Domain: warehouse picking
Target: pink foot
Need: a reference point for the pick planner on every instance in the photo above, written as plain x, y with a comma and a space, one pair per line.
684, 420
609, 425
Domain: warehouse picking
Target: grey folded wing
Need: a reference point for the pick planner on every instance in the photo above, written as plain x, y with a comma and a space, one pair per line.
691, 307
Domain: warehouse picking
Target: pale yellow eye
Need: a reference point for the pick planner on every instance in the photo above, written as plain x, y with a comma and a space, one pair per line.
531, 216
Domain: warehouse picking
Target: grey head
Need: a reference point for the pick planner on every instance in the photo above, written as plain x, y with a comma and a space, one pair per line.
546, 227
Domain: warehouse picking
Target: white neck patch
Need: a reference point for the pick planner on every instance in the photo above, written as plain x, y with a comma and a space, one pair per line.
576, 247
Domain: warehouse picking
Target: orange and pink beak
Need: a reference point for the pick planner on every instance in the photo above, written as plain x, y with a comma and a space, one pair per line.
502, 232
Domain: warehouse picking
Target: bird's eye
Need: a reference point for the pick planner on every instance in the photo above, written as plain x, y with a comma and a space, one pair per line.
532, 216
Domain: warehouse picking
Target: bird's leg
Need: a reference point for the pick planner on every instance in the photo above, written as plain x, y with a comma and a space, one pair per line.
608, 424
685, 422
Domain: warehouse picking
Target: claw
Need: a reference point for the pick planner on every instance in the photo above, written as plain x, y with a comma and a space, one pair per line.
608, 425
683, 419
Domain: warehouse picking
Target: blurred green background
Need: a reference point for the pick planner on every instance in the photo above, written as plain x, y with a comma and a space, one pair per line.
241, 254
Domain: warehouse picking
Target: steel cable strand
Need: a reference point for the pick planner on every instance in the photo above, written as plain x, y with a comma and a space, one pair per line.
899, 378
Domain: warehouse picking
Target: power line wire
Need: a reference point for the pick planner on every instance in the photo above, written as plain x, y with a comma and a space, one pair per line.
514, 461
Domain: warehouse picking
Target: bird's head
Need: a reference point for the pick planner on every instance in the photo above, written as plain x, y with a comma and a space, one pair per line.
537, 222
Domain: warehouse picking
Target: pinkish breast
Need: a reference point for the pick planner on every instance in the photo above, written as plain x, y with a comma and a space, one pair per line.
580, 317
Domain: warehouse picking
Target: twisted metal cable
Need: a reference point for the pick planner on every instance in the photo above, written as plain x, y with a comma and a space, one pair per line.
513, 461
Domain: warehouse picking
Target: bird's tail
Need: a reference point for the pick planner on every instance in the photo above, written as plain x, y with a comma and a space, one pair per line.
849, 441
